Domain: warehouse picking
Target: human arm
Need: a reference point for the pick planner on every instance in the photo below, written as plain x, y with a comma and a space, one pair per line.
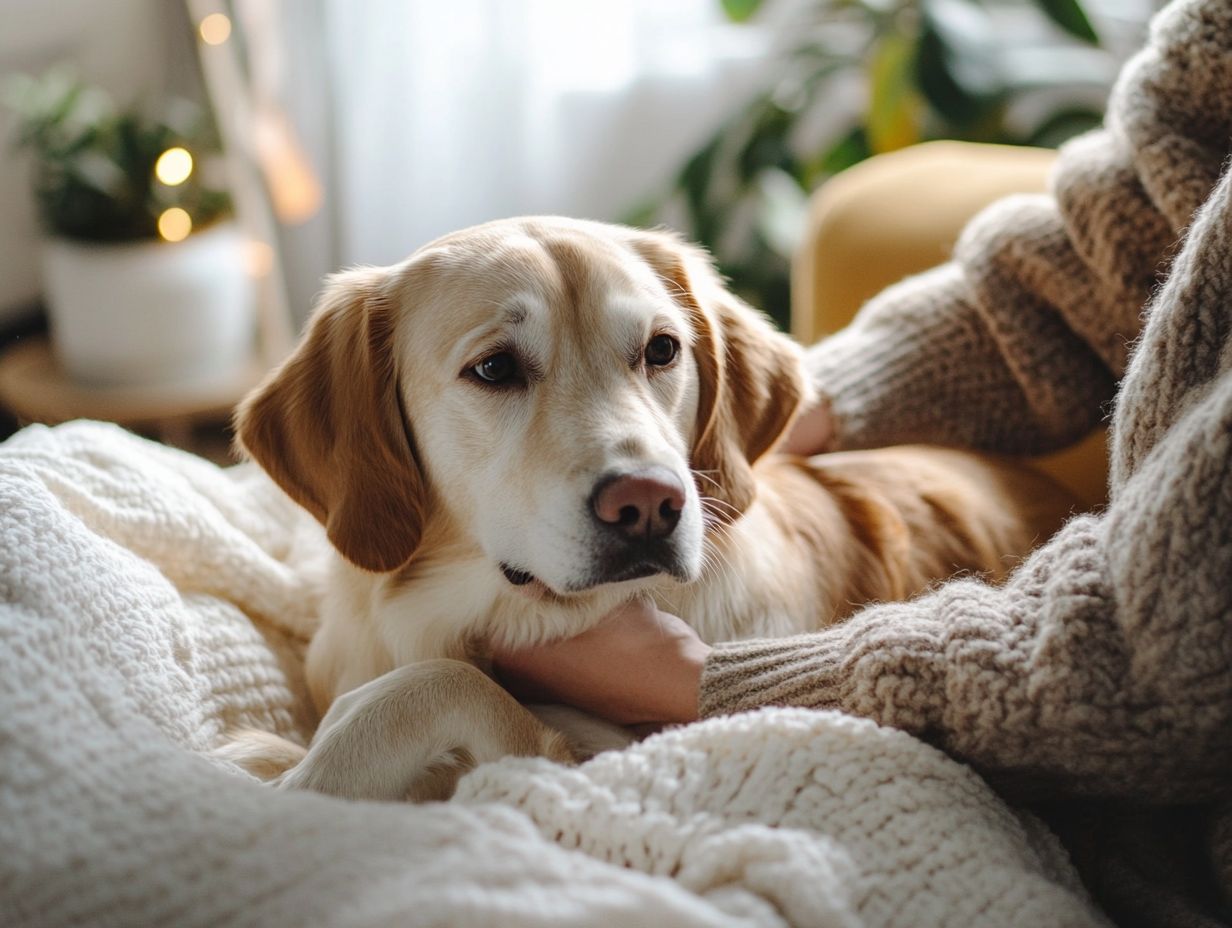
1101, 667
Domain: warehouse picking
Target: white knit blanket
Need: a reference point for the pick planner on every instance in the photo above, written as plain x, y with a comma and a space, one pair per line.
150, 600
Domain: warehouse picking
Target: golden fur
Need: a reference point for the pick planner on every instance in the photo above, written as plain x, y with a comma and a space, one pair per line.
427, 479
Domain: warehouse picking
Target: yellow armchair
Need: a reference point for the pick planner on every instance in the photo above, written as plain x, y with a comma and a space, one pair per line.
899, 214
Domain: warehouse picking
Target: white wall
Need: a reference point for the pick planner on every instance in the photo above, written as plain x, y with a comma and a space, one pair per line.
129, 47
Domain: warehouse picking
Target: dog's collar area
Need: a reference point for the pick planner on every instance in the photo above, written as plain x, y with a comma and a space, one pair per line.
516, 577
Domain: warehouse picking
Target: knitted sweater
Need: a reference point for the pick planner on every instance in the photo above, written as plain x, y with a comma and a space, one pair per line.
1102, 670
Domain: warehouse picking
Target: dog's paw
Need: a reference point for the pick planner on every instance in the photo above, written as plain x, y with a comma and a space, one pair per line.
425, 780
413, 732
261, 753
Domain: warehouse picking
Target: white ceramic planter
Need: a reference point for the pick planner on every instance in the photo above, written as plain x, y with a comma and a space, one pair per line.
151, 313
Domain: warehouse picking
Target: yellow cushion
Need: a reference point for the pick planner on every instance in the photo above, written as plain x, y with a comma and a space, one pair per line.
900, 213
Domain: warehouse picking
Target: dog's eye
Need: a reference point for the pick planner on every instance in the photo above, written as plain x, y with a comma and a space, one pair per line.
661, 350
500, 369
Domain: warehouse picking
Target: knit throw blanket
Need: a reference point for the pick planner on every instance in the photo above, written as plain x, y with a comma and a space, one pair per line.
149, 601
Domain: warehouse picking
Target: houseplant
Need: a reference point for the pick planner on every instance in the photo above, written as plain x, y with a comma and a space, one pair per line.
854, 78
144, 275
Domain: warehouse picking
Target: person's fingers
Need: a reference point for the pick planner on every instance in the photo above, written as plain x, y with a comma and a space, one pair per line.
812, 432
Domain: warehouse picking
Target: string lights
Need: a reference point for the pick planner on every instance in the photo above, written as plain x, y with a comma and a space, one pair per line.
214, 29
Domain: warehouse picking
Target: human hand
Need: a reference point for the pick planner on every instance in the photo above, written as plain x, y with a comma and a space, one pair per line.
637, 666
812, 432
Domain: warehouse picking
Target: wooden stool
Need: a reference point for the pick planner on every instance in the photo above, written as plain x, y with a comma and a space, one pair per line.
35, 388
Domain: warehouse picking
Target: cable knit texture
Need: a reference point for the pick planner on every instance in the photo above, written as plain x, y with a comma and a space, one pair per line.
149, 601
1099, 677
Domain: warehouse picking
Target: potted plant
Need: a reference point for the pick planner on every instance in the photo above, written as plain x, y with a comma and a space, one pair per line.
854, 78
144, 274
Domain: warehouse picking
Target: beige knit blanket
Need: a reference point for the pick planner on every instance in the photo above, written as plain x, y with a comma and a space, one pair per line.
150, 600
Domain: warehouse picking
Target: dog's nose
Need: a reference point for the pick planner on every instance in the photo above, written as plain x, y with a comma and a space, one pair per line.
641, 504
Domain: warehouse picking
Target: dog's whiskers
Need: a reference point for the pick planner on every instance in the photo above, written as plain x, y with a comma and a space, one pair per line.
715, 558
717, 510
716, 569
714, 508
705, 475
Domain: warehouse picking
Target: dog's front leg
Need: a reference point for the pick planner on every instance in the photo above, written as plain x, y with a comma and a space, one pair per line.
411, 733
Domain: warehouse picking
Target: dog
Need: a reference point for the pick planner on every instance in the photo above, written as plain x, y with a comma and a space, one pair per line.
527, 423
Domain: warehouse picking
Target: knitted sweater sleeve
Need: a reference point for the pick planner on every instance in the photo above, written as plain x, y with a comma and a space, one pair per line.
1016, 345
1103, 666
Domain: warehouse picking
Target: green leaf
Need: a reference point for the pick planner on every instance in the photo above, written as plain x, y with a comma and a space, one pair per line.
956, 66
643, 215
951, 101
739, 11
1061, 69
1063, 126
967, 40
851, 148
895, 108
767, 145
781, 210
99, 172
1070, 16
695, 181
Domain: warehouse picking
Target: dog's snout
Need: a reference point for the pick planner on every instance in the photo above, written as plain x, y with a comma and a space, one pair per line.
640, 504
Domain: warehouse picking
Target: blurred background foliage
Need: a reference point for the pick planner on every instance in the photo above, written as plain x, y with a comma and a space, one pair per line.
94, 163
854, 78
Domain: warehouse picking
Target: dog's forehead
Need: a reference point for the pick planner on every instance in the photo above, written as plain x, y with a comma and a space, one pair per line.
538, 273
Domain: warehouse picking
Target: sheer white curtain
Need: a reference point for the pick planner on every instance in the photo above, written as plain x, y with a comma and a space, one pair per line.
450, 113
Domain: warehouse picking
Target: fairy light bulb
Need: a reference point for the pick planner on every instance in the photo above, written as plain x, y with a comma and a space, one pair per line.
174, 166
174, 224
214, 29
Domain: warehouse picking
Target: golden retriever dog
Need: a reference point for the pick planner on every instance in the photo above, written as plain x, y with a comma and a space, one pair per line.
527, 423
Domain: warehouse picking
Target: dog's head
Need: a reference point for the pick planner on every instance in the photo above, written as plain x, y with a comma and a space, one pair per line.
582, 401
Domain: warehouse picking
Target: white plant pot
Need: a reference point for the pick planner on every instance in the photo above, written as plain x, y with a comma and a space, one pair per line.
151, 313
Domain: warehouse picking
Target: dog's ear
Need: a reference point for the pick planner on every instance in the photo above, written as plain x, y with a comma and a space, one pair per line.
751, 377
328, 426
